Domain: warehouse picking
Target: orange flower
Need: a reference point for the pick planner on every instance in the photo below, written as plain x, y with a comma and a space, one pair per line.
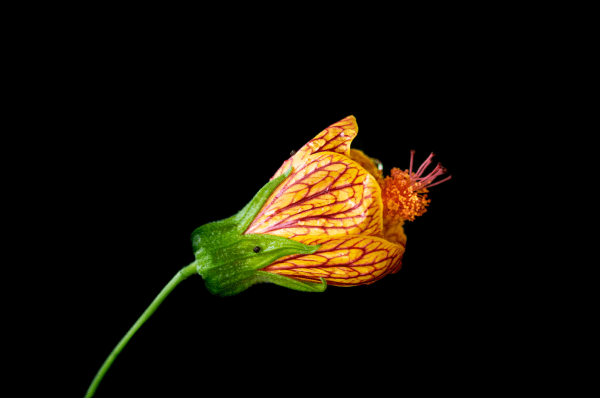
336, 197
326, 217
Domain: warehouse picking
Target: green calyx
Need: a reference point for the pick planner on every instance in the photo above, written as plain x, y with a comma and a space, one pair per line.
230, 261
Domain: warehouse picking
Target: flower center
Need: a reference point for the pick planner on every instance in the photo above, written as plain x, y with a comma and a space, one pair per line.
404, 193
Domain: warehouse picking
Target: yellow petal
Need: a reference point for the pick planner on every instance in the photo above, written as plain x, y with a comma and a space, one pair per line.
367, 162
328, 194
342, 260
335, 138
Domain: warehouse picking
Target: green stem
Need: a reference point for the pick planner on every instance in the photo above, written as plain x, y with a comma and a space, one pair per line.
181, 275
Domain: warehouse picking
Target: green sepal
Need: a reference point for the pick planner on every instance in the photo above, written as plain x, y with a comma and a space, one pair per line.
245, 216
293, 283
225, 256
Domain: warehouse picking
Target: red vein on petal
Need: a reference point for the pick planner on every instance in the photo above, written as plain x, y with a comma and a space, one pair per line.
385, 259
326, 161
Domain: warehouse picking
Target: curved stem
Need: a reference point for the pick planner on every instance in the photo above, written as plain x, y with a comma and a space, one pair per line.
181, 275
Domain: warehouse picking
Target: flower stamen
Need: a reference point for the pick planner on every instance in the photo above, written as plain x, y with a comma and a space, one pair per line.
404, 192
421, 183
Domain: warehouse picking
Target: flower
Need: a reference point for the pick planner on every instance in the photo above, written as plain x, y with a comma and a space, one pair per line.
337, 198
327, 216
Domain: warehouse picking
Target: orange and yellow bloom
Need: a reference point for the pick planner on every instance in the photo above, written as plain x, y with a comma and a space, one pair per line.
337, 197
327, 217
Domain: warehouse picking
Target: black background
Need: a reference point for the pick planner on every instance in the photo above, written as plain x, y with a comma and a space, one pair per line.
159, 149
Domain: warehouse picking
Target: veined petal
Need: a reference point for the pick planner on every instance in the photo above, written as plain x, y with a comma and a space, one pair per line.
329, 194
342, 260
335, 138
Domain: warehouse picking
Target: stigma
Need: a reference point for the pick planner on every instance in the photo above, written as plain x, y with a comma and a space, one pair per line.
404, 193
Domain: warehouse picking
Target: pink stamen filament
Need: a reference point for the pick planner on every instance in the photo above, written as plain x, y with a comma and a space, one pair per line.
426, 182
424, 165
439, 182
